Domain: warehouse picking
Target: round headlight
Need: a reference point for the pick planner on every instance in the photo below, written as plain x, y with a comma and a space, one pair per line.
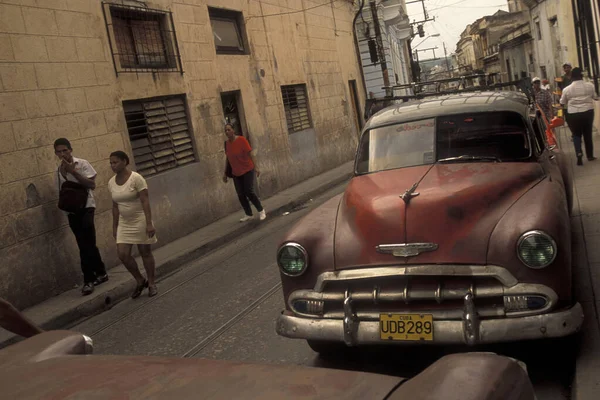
536, 249
292, 259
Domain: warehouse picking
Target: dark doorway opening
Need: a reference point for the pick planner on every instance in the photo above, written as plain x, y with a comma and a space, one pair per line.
233, 112
355, 105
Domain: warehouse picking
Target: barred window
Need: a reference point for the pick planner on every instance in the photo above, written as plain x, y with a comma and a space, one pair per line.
295, 102
142, 40
160, 134
228, 31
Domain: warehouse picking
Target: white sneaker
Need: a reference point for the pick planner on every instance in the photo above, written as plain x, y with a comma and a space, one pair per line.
246, 218
262, 215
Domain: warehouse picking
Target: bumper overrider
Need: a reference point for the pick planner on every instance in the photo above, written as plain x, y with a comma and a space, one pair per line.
466, 327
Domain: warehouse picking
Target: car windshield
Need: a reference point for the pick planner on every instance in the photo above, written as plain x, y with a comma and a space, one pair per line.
492, 136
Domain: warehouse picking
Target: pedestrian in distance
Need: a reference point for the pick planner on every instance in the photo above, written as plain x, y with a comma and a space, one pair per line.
543, 98
241, 167
579, 97
567, 78
76, 178
132, 221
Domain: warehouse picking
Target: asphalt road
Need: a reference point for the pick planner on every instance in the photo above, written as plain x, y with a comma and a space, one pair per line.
224, 306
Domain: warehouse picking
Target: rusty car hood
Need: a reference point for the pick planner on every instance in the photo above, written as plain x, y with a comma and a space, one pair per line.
112, 377
457, 207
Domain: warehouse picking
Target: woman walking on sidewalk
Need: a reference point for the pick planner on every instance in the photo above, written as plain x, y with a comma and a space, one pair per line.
132, 221
579, 99
238, 157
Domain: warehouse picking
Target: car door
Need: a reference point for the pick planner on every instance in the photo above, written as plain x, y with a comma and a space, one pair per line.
552, 159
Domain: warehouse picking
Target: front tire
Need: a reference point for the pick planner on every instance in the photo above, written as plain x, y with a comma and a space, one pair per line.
327, 349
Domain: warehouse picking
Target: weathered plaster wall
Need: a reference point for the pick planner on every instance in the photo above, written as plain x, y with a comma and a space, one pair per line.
57, 79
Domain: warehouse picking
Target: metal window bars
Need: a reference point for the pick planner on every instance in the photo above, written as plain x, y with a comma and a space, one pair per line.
159, 133
141, 39
295, 103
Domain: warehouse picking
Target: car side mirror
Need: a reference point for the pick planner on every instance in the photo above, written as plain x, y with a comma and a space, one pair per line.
556, 122
46, 345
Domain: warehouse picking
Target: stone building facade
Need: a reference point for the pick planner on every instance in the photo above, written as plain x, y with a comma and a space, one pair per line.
158, 79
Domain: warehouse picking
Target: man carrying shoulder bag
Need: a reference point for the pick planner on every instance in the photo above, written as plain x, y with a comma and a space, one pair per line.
76, 180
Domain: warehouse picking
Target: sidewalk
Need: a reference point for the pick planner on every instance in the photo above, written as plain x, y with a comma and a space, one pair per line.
70, 306
585, 223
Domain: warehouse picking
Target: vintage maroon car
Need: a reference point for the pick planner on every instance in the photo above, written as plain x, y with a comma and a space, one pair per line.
54, 365
455, 229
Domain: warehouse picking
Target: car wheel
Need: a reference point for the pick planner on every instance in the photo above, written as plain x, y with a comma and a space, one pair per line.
327, 349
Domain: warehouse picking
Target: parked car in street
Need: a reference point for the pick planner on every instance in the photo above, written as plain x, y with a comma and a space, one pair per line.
455, 229
58, 365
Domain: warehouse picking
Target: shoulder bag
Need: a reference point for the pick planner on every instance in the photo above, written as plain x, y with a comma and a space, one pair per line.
72, 196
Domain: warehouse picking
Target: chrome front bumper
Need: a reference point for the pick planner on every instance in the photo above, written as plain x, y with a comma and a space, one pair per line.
470, 330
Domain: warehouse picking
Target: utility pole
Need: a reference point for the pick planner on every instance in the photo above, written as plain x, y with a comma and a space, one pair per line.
446, 58
415, 68
380, 48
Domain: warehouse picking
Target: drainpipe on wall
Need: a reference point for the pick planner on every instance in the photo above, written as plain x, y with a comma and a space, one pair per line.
379, 40
357, 47
574, 5
592, 46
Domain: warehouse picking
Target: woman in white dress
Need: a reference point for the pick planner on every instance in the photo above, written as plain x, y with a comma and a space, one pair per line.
132, 221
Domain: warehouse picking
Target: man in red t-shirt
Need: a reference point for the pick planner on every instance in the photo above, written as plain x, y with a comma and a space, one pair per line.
243, 170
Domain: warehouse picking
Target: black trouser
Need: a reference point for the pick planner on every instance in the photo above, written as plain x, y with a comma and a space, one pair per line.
581, 125
244, 186
82, 225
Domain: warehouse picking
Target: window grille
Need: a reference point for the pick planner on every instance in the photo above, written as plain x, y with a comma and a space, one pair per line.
295, 102
142, 39
228, 31
160, 134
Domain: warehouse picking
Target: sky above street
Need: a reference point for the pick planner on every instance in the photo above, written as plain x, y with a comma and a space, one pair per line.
451, 18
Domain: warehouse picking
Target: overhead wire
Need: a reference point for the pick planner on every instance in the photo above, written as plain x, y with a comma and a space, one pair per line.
328, 3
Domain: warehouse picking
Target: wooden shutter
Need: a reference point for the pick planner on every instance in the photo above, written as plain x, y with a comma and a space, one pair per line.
160, 135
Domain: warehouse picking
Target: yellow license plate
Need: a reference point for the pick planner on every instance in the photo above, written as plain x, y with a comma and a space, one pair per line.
406, 327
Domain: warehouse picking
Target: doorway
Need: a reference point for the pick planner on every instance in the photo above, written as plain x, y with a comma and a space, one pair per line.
234, 113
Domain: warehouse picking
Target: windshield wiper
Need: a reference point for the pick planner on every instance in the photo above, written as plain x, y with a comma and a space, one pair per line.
471, 158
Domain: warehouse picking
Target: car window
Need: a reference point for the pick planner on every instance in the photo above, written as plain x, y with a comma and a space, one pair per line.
397, 146
498, 135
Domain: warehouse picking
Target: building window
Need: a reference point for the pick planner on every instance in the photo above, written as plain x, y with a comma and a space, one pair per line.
295, 102
543, 72
538, 30
160, 134
142, 39
228, 31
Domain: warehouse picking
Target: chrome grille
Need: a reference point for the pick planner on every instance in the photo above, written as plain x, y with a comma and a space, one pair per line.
420, 289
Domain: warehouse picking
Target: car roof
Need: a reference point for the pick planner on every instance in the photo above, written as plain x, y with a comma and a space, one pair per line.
460, 103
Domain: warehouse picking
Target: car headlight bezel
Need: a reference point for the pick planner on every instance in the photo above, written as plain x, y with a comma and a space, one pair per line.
302, 251
533, 233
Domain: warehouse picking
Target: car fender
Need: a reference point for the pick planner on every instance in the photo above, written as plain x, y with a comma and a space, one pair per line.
316, 233
543, 207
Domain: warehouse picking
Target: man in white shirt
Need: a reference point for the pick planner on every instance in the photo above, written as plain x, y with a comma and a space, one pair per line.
82, 222
579, 98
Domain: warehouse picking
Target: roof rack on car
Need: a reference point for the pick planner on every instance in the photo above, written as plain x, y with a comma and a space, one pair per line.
375, 104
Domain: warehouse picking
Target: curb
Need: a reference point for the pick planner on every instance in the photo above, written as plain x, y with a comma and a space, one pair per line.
98, 304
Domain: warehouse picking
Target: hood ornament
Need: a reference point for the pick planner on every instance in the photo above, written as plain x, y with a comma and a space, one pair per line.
406, 249
410, 193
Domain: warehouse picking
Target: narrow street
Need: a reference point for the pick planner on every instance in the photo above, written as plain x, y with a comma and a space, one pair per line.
224, 306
